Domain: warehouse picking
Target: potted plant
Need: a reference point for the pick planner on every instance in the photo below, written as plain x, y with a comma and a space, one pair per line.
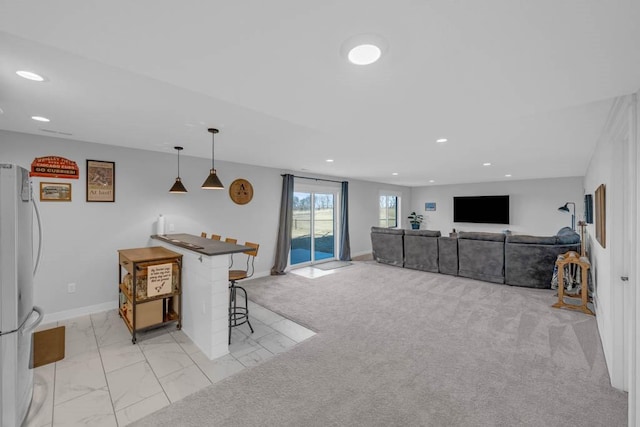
415, 220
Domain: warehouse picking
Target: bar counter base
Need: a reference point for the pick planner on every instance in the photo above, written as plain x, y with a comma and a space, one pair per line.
205, 294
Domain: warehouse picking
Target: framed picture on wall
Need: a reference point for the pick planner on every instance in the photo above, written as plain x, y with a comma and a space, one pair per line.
101, 181
55, 192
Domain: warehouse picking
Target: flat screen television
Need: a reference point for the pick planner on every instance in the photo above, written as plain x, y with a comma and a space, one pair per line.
481, 209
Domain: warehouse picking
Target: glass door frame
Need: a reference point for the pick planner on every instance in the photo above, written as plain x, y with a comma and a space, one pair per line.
325, 188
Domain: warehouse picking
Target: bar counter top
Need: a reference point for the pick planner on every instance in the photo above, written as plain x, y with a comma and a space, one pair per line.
201, 245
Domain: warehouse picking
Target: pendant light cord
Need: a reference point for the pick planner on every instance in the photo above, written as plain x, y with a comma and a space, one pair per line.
213, 141
178, 163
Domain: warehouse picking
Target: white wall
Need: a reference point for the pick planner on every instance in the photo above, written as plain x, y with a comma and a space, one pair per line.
533, 204
612, 296
81, 239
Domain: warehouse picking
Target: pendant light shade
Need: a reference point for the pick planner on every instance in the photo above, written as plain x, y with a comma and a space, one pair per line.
178, 187
212, 182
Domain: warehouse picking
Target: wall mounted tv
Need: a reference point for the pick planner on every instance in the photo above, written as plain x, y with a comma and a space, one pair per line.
481, 209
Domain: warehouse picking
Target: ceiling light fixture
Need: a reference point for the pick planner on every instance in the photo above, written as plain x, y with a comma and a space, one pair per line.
441, 140
486, 164
29, 75
329, 160
364, 54
178, 187
212, 182
40, 119
508, 175
432, 180
363, 49
395, 174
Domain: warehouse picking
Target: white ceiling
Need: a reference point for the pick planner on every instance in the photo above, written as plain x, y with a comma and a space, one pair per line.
525, 85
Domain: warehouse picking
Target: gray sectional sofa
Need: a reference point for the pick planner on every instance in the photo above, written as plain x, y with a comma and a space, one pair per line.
421, 250
388, 245
516, 260
527, 258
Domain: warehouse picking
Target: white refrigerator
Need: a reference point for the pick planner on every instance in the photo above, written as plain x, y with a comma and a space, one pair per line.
18, 316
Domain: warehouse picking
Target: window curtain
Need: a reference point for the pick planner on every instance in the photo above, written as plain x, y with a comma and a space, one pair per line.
284, 228
345, 245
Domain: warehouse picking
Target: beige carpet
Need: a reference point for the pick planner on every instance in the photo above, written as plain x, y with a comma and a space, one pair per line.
403, 347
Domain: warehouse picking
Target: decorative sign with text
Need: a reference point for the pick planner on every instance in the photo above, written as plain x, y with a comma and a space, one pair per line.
54, 167
159, 279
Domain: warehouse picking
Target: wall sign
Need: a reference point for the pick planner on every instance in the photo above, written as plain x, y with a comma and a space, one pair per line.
241, 191
54, 167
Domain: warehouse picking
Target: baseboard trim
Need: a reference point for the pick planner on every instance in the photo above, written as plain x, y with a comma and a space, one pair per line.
77, 312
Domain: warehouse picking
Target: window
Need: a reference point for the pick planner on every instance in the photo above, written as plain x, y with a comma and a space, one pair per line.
388, 211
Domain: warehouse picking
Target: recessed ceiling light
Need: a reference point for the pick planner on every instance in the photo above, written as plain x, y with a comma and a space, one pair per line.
364, 54
1, 111
329, 160
364, 49
486, 164
508, 175
40, 119
395, 174
29, 75
441, 140
432, 180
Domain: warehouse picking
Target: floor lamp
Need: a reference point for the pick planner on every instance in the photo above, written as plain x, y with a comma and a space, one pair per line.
565, 208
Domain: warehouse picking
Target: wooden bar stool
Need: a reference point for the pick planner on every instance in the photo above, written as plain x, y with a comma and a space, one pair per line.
215, 237
203, 234
239, 315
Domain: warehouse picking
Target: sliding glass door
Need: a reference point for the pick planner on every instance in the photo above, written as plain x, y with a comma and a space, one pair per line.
314, 226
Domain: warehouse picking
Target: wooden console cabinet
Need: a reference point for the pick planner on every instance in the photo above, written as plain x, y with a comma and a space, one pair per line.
140, 307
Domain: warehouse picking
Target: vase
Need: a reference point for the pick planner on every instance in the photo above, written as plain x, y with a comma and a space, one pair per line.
415, 226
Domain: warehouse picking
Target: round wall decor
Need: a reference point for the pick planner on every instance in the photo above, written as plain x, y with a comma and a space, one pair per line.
241, 191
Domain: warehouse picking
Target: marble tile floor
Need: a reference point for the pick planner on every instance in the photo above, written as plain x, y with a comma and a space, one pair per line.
104, 380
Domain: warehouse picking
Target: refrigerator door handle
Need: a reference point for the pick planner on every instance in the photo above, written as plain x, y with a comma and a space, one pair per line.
35, 324
35, 207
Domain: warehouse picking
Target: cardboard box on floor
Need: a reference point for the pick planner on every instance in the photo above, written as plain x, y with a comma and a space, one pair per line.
48, 346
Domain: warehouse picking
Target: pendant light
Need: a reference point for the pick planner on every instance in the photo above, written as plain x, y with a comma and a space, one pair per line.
212, 182
178, 187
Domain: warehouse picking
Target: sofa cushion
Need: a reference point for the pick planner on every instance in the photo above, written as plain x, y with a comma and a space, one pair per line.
534, 240
481, 259
474, 235
426, 233
388, 245
448, 255
531, 265
421, 250
383, 230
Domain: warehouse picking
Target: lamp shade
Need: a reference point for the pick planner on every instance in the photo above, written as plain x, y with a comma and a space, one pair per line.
212, 182
177, 186
564, 208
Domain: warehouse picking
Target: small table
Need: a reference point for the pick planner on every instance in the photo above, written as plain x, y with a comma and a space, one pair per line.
573, 258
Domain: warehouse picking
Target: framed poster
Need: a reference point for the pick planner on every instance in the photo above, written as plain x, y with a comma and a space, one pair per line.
55, 192
101, 181
430, 206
